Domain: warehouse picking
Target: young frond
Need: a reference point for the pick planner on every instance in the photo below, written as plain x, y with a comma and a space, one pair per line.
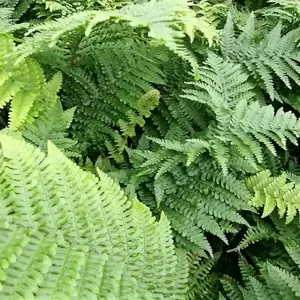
272, 192
254, 234
23, 85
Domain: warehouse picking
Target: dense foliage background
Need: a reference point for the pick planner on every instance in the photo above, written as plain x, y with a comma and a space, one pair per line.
191, 107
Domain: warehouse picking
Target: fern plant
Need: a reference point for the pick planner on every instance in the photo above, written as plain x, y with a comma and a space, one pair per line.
23, 85
275, 276
202, 281
58, 242
52, 125
7, 20
175, 100
286, 11
197, 199
272, 192
240, 121
130, 46
122, 106
17, 7
276, 284
183, 180
264, 58
167, 22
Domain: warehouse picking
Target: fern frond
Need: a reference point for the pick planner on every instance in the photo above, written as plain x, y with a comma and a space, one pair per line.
260, 291
247, 271
286, 11
7, 20
23, 85
231, 288
274, 192
221, 297
197, 198
254, 234
275, 56
202, 280
51, 125
265, 126
52, 122
183, 226
168, 22
274, 283
284, 281
116, 95
60, 242
66, 7
245, 127
172, 111
228, 39
293, 249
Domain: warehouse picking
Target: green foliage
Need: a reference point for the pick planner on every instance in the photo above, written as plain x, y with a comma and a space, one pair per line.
51, 125
130, 46
265, 58
157, 16
285, 10
278, 278
202, 281
65, 233
196, 199
276, 284
275, 192
192, 107
35, 109
240, 122
121, 106
7, 20
23, 84
17, 7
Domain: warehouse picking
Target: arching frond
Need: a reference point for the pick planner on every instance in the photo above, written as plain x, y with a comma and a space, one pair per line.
65, 233
240, 122
168, 22
273, 57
